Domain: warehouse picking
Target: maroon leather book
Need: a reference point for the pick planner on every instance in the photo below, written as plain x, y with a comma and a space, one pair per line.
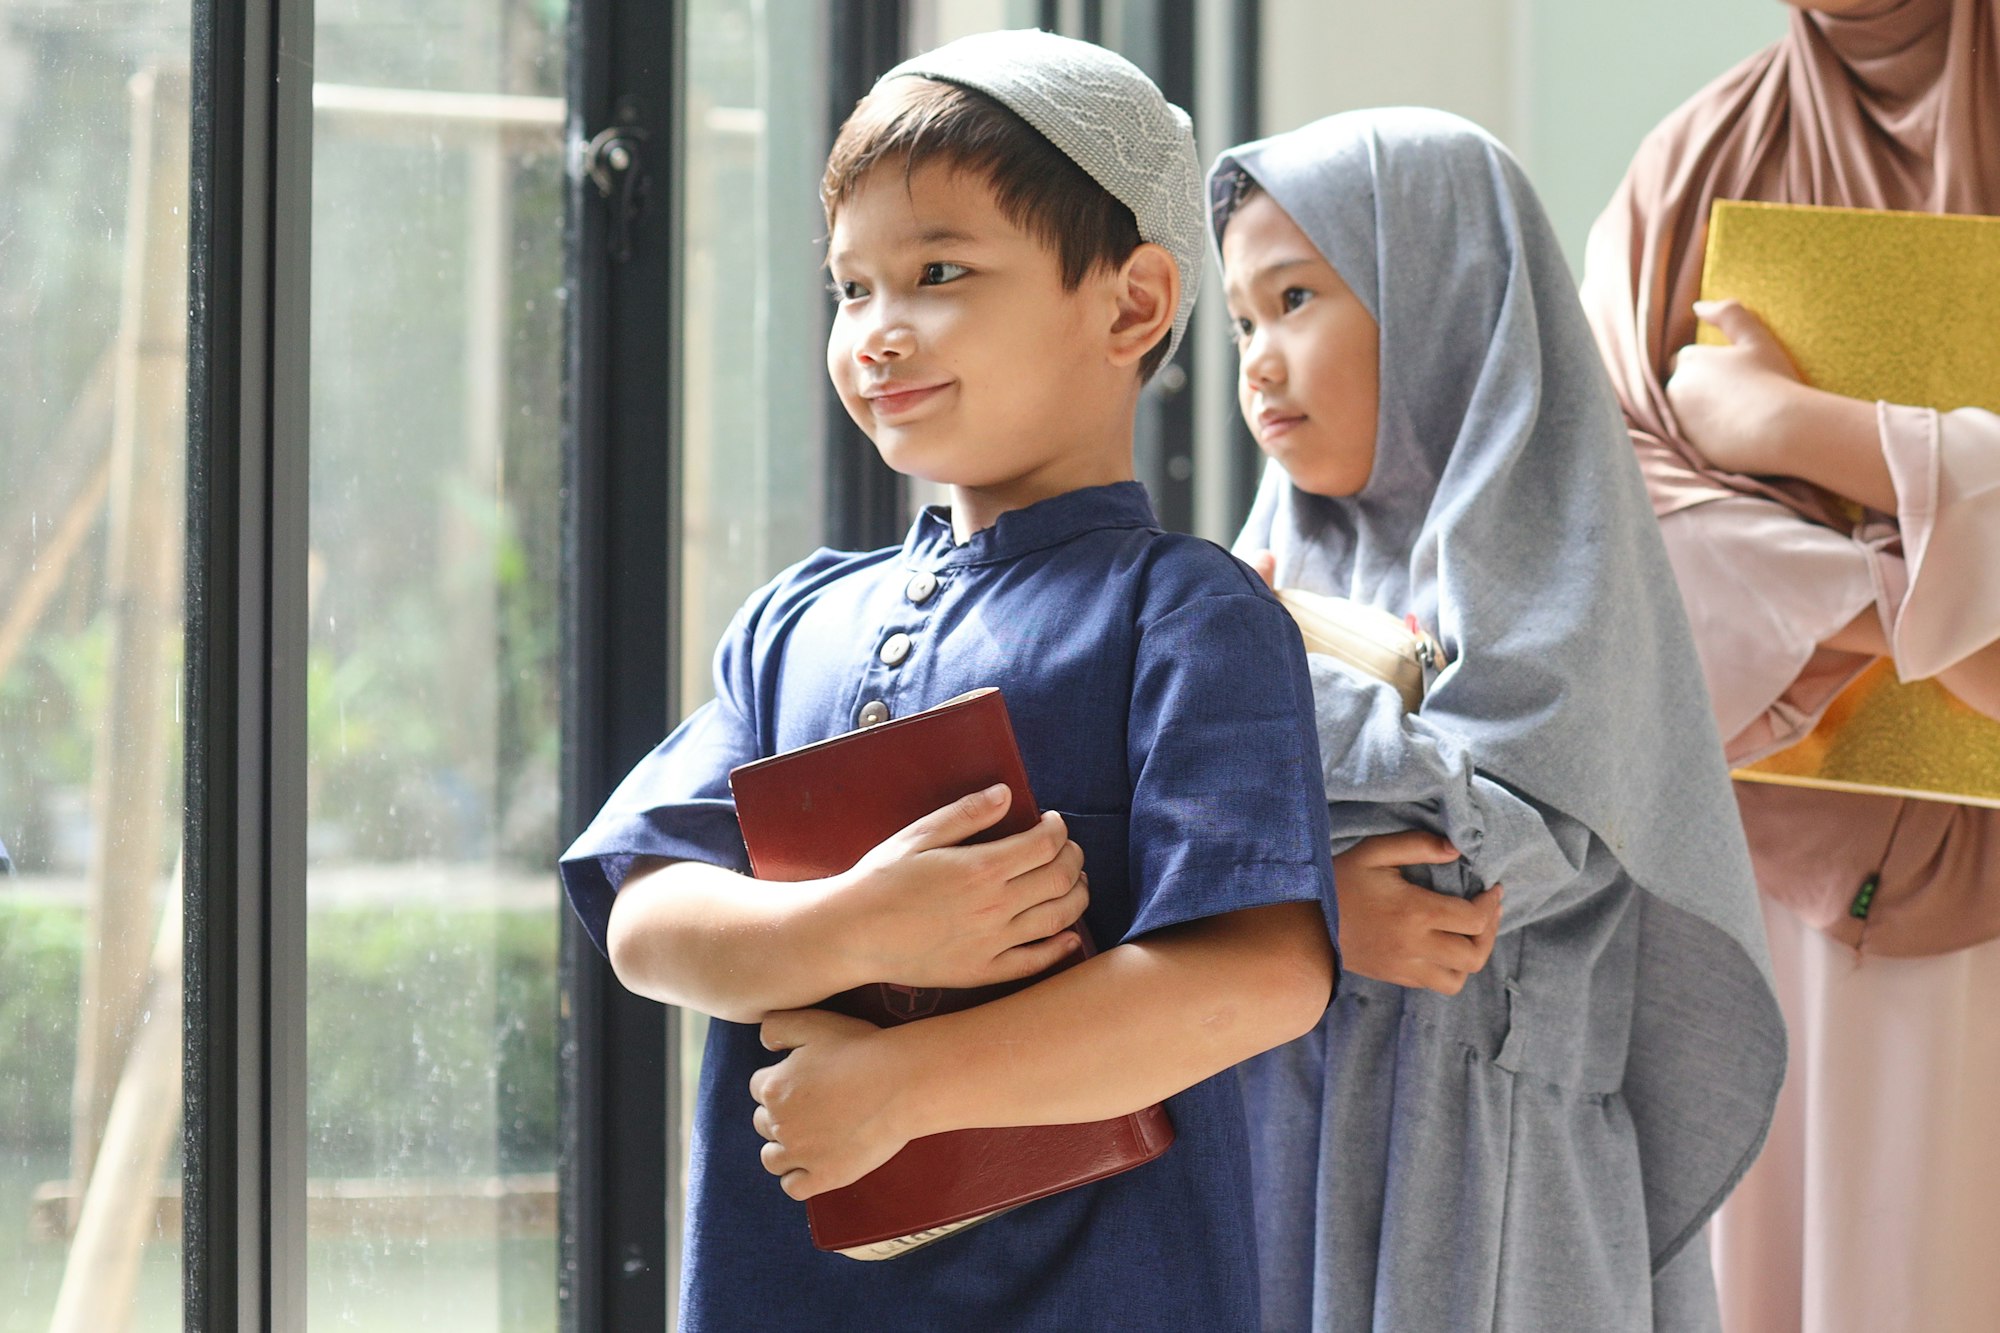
816, 811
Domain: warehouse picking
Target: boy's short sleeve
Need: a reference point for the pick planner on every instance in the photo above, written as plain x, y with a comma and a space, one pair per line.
1228, 811
676, 803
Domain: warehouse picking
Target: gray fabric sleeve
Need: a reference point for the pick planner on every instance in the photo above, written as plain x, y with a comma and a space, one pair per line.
1387, 771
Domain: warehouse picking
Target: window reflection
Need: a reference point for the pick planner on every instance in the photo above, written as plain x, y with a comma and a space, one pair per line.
431, 671
93, 257
752, 321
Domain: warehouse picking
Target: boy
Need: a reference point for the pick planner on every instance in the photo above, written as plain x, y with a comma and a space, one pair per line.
1015, 237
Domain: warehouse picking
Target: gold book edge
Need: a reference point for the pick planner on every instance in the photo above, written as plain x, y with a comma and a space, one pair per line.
1754, 774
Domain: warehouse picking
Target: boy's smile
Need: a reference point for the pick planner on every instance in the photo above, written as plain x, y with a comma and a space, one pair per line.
958, 350
896, 399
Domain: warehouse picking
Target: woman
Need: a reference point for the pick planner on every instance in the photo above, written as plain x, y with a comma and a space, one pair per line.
1875, 1200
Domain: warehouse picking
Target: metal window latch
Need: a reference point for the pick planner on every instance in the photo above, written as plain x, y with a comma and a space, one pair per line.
613, 162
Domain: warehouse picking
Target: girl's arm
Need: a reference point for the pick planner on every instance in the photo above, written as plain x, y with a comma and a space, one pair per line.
1405, 773
1123, 1030
1391, 928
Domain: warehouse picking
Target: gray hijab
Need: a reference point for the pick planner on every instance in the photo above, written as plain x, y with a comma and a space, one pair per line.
1505, 510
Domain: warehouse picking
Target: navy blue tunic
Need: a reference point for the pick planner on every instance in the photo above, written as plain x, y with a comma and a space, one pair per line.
1161, 700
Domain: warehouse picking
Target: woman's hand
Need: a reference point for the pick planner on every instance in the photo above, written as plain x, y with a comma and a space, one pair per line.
1745, 409
1405, 934
1734, 402
830, 1111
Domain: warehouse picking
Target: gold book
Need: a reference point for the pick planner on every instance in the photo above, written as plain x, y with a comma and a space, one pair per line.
1876, 305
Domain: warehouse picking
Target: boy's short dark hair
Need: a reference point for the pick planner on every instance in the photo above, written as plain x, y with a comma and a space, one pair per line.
919, 121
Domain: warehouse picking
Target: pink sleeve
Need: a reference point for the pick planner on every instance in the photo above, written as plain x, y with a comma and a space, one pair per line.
1764, 589
1946, 467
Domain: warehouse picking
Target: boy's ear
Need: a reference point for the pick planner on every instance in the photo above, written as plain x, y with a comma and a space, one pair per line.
1148, 293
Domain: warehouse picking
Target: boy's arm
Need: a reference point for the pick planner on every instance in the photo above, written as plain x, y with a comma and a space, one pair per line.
1119, 1032
919, 910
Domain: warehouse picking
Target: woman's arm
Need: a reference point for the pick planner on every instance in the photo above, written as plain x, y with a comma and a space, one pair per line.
1746, 409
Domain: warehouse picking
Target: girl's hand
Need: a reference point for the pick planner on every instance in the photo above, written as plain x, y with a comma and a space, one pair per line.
1405, 934
1266, 565
1737, 404
832, 1110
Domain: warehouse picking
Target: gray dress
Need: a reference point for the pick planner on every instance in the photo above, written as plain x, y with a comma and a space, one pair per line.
1537, 1152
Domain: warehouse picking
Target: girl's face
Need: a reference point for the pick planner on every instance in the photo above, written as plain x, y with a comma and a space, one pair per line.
1308, 381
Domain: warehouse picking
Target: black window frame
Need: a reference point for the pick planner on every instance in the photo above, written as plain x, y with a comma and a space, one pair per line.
249, 294
617, 1253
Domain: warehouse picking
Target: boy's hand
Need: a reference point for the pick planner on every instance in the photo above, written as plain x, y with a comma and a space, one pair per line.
1405, 934
829, 1111
921, 910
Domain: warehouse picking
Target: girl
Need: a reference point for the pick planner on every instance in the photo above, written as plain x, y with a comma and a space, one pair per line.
1534, 1152
1875, 1206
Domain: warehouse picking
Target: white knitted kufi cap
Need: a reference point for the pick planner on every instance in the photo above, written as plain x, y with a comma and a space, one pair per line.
1106, 116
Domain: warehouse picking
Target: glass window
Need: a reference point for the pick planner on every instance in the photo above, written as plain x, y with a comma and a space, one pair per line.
753, 315
432, 725
93, 316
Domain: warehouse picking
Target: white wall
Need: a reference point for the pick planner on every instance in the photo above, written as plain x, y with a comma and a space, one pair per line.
1323, 56
1570, 85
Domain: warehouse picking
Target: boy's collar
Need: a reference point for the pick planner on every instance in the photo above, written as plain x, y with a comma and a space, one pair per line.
1050, 522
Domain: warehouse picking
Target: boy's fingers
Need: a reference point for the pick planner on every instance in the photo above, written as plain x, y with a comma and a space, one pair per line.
785, 1030
1047, 882
798, 1184
760, 1120
1017, 854
1039, 920
775, 1159
1028, 960
961, 819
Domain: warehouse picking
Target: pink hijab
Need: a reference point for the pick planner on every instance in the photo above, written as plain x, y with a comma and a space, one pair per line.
1894, 105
